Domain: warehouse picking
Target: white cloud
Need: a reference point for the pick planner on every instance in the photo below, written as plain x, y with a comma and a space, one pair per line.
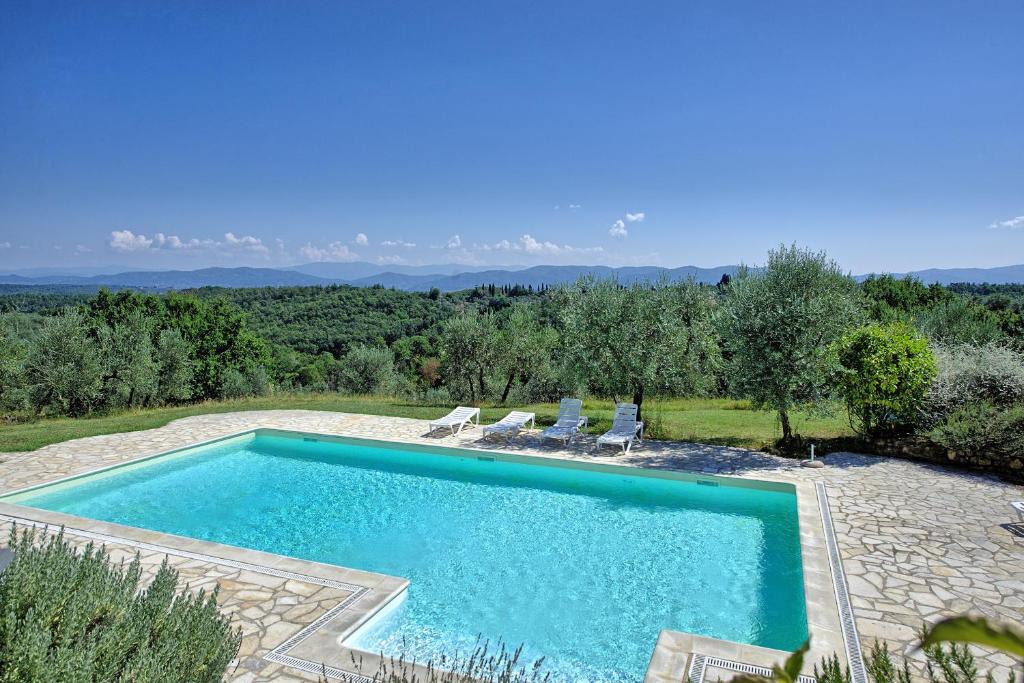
82, 249
454, 242
5, 245
573, 207
1015, 223
618, 229
392, 260
126, 240
245, 243
530, 245
362, 239
335, 251
398, 243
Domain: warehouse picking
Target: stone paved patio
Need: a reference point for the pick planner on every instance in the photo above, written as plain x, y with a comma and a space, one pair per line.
918, 542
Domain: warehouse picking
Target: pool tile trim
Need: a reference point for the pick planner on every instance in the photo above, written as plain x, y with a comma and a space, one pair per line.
851, 639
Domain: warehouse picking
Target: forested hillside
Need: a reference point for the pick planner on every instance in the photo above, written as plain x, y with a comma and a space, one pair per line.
899, 356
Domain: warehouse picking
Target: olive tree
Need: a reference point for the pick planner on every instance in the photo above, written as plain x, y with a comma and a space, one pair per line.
640, 339
368, 370
777, 325
131, 372
63, 366
175, 371
526, 347
467, 348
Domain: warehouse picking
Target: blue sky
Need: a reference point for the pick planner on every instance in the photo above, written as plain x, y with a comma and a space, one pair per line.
267, 133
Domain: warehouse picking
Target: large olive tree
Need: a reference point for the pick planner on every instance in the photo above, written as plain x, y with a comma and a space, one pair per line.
777, 325
640, 339
468, 345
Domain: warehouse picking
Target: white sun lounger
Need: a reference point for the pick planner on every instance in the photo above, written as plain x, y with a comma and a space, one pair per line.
510, 424
625, 428
1018, 505
569, 423
460, 417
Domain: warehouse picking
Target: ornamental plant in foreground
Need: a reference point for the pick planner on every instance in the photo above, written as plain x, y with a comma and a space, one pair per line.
67, 615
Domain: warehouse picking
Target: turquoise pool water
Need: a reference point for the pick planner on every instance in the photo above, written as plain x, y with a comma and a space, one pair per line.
582, 567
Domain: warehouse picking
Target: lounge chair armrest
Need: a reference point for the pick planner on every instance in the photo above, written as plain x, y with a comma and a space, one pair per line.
584, 422
640, 429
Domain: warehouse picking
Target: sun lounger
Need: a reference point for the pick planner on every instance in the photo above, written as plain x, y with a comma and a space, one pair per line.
457, 419
569, 423
625, 428
510, 424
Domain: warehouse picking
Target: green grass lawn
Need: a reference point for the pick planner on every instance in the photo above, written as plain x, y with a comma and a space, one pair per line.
713, 421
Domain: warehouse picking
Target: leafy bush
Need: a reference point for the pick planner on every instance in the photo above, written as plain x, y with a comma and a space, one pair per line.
982, 428
236, 384
368, 370
70, 616
961, 321
883, 374
969, 374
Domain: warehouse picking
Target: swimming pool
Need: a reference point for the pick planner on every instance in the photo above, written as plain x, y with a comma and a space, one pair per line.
582, 566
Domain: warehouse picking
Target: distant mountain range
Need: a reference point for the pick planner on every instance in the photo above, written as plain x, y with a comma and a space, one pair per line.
449, 277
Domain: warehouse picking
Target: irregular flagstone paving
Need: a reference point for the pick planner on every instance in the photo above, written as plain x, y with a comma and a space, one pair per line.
267, 609
919, 542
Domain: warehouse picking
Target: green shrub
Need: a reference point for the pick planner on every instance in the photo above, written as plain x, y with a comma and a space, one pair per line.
971, 374
368, 370
961, 321
75, 616
982, 428
883, 374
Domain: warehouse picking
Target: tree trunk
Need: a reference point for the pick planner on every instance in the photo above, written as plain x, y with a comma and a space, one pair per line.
483, 387
638, 399
787, 429
508, 385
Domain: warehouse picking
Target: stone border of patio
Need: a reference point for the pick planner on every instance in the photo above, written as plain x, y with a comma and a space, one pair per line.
673, 654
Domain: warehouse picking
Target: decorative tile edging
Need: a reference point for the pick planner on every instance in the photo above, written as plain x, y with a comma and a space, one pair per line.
279, 654
738, 667
698, 664
851, 639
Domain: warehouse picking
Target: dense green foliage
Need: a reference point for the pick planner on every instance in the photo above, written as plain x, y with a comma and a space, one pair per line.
630, 342
883, 372
976, 403
75, 616
763, 336
129, 350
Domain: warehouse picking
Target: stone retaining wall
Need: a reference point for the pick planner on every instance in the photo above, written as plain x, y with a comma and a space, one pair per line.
1011, 469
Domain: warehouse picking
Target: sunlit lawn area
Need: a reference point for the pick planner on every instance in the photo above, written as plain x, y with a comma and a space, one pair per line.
716, 421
